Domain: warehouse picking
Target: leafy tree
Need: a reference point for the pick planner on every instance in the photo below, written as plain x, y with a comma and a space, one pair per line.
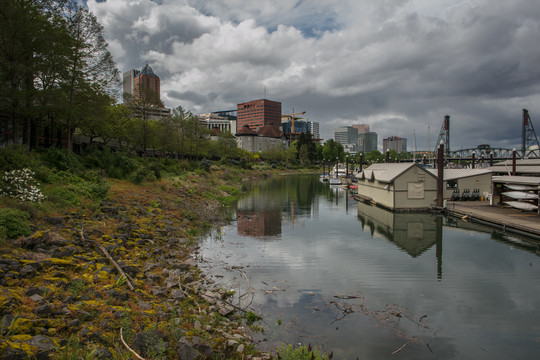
332, 150
90, 66
32, 42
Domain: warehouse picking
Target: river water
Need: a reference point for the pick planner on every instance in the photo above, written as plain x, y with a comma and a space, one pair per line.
365, 283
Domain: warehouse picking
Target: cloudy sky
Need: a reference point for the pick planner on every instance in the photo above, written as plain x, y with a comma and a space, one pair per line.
398, 65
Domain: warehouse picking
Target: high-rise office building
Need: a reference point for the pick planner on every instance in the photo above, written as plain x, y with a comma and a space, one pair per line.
346, 135
144, 83
367, 142
259, 113
315, 129
396, 143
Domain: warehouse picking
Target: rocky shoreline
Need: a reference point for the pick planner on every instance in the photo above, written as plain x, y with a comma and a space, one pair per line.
65, 290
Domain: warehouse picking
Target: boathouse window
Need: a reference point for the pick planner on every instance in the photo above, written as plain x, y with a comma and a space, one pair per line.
451, 184
415, 190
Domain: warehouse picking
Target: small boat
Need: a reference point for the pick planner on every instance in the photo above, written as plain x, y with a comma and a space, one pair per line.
521, 205
335, 181
520, 195
520, 187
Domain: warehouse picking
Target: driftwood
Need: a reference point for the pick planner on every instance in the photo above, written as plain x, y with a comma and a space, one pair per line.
346, 296
127, 347
398, 350
129, 280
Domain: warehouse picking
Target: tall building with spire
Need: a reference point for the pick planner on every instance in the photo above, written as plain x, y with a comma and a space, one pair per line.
143, 83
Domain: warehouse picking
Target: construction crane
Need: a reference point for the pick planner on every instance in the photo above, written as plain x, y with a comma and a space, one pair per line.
293, 117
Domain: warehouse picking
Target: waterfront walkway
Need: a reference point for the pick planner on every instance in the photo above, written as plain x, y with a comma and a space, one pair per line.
506, 218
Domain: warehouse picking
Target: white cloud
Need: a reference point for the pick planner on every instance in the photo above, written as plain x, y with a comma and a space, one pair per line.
363, 61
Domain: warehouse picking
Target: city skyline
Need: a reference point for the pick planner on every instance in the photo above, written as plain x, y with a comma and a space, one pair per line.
397, 66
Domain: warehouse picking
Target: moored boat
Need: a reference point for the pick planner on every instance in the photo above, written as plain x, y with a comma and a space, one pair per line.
520, 195
521, 205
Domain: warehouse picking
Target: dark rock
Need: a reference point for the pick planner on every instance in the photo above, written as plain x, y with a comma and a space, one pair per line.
153, 277
40, 290
44, 310
43, 240
117, 295
102, 353
10, 353
109, 270
43, 343
66, 251
131, 270
27, 271
75, 323
194, 348
53, 220
158, 291
109, 210
152, 341
11, 264
178, 294
144, 306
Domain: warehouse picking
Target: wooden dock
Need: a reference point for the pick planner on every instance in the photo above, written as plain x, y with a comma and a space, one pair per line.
525, 223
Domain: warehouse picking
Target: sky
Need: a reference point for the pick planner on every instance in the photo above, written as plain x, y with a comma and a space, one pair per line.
399, 66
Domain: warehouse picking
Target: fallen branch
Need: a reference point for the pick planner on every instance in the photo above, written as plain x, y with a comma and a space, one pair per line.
344, 297
398, 350
129, 280
127, 347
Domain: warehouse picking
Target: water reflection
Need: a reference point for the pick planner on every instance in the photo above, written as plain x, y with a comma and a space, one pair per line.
485, 307
412, 232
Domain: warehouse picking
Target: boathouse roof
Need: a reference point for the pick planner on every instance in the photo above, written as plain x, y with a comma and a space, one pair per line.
387, 172
453, 174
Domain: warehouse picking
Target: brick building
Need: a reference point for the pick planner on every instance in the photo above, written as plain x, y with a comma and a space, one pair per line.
258, 113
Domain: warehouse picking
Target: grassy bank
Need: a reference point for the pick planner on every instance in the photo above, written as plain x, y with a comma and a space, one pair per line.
96, 257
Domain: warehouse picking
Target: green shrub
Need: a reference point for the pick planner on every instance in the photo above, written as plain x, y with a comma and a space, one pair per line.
16, 157
95, 187
63, 196
14, 223
205, 164
61, 159
116, 164
301, 353
144, 174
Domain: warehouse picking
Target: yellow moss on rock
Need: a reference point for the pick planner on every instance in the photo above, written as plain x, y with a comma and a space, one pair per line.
28, 349
19, 338
60, 262
21, 326
103, 275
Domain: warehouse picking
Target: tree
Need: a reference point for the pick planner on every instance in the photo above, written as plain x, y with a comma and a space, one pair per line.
90, 66
143, 108
32, 49
332, 150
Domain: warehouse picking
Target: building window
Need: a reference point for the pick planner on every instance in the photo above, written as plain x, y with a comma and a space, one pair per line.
452, 184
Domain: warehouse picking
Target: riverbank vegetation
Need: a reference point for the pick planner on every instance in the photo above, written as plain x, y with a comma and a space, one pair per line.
98, 262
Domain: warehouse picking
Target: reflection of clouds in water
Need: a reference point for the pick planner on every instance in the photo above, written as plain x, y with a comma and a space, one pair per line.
479, 292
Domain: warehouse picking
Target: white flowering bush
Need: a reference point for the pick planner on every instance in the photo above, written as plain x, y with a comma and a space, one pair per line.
21, 185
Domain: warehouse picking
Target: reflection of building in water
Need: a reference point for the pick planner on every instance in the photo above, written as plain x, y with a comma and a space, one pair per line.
412, 232
258, 215
259, 223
